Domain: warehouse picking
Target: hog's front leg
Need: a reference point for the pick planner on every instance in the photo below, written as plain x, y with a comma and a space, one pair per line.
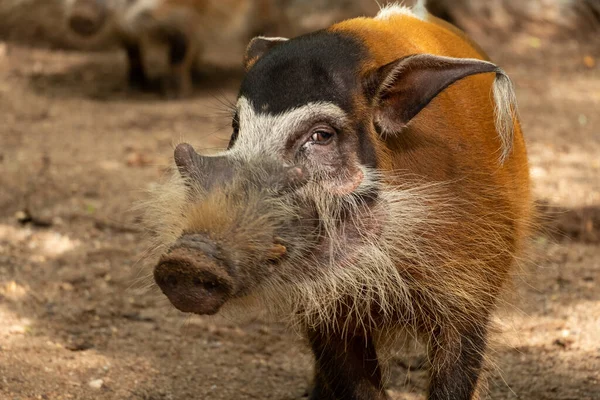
183, 51
456, 363
345, 368
137, 78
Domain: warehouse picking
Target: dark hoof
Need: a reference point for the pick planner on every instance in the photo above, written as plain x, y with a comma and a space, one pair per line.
138, 81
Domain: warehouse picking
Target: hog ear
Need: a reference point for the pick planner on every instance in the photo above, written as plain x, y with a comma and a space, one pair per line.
204, 171
404, 87
258, 47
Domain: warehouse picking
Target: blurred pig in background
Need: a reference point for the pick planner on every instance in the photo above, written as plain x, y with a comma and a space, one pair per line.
184, 33
166, 40
181, 31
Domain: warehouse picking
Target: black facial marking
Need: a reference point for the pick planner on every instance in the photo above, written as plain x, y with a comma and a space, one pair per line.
366, 152
322, 66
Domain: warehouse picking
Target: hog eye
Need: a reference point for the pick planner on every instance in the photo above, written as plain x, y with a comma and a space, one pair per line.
322, 135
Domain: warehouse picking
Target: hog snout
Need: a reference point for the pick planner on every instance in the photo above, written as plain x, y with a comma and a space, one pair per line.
193, 277
87, 17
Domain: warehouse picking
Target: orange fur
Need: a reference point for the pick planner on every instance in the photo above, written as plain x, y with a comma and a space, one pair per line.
453, 139
455, 128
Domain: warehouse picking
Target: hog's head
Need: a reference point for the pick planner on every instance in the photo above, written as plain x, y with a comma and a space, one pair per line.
300, 203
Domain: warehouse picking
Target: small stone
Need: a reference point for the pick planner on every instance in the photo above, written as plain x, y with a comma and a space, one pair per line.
589, 61
67, 287
535, 42
82, 345
137, 159
17, 329
96, 383
110, 165
563, 342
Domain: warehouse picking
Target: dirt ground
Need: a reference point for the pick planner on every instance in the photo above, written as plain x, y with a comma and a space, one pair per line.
77, 150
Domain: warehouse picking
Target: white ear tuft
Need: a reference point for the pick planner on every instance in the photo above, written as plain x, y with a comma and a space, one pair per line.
506, 111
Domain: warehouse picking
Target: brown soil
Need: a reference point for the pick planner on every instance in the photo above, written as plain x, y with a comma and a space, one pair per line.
77, 149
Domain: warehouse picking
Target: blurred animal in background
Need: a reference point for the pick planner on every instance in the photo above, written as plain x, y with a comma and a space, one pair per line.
184, 30
87, 18
190, 31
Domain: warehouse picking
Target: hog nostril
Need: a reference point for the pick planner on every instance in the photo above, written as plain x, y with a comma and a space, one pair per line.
211, 285
208, 285
171, 280
192, 281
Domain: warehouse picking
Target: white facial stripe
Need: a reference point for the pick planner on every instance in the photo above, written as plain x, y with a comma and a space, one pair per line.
261, 132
